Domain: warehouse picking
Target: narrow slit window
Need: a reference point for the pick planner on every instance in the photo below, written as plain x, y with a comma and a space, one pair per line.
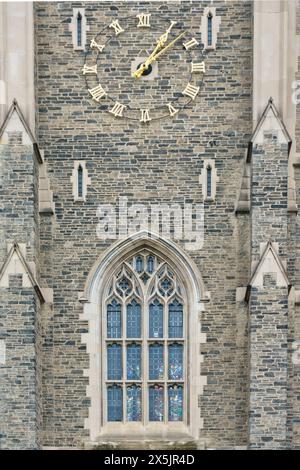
80, 181
209, 29
79, 29
209, 181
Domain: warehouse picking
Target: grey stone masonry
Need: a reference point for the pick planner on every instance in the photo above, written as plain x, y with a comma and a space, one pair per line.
268, 368
20, 377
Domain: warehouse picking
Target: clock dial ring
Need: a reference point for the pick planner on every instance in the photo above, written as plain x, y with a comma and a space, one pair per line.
180, 100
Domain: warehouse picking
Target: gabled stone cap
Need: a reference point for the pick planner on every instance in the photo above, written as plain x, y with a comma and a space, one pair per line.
15, 109
269, 121
23, 265
269, 262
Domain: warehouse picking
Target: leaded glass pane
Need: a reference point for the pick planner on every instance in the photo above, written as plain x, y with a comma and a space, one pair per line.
150, 264
175, 402
134, 403
166, 286
134, 362
114, 320
156, 361
175, 361
139, 264
114, 403
156, 403
124, 286
156, 319
114, 362
175, 319
133, 320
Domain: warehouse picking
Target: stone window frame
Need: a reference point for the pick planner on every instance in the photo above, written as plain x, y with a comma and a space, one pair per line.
86, 180
93, 313
216, 21
209, 163
74, 31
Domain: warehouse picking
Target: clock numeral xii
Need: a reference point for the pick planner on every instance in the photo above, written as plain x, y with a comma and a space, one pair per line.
144, 20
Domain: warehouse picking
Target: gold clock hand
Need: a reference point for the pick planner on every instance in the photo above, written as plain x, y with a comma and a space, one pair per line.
156, 56
138, 73
160, 43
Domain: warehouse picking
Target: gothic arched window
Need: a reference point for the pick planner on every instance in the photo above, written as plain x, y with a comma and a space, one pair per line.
144, 328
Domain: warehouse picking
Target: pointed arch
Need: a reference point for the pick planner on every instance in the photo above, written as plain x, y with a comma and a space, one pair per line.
103, 270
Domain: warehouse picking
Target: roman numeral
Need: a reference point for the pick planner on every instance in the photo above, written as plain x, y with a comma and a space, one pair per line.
190, 44
198, 67
95, 45
116, 26
144, 20
191, 91
89, 69
172, 110
145, 116
97, 92
117, 109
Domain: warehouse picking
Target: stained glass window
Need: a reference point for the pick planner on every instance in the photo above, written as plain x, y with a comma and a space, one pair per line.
114, 320
114, 362
156, 403
134, 320
209, 29
175, 319
145, 311
134, 403
139, 262
156, 361
175, 361
115, 403
79, 29
156, 319
150, 264
134, 362
175, 402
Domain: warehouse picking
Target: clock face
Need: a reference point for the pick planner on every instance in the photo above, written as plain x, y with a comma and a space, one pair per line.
144, 68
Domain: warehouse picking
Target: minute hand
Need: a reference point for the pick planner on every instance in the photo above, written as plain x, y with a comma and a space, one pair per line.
156, 56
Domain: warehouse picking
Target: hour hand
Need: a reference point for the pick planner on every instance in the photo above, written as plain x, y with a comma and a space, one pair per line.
153, 57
